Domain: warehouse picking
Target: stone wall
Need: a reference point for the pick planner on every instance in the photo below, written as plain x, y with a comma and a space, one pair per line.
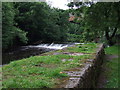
89, 73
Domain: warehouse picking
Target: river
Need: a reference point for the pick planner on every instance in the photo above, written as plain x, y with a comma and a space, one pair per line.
31, 50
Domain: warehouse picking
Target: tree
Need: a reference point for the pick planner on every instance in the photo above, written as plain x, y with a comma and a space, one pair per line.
104, 19
100, 19
41, 22
9, 30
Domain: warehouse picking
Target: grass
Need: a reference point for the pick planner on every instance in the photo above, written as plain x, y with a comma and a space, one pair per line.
112, 65
114, 50
87, 48
44, 71
0, 78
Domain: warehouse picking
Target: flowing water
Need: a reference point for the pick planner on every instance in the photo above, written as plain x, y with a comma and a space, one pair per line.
31, 50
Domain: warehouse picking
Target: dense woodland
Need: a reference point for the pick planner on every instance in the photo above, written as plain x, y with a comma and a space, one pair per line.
36, 22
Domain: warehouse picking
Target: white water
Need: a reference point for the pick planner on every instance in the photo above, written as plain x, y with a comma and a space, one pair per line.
50, 46
34, 49
79, 43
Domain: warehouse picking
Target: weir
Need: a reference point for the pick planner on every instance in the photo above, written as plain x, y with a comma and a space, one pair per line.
51, 46
31, 50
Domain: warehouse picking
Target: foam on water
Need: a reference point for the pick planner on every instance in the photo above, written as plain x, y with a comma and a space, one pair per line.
51, 46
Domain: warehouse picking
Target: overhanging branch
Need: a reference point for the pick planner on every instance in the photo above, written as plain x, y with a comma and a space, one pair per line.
74, 22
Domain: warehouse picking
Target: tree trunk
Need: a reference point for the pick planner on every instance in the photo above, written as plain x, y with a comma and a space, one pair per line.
110, 38
110, 42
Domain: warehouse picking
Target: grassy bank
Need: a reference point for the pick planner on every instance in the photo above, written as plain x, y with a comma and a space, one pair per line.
47, 70
112, 66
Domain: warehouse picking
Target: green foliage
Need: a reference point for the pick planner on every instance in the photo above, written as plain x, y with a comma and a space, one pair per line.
73, 37
41, 22
100, 19
36, 20
75, 33
99, 16
9, 31
43, 71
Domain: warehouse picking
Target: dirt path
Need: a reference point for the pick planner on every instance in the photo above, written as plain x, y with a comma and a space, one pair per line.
102, 80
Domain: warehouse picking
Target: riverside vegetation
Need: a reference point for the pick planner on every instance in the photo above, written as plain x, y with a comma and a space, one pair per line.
45, 71
36, 22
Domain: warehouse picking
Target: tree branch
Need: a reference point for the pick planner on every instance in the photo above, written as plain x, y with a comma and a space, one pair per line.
74, 22
107, 35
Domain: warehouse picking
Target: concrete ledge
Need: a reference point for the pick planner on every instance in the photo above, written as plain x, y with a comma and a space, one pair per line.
87, 75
